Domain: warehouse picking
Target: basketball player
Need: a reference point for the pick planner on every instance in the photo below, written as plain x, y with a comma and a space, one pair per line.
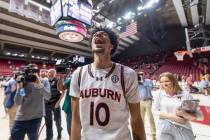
104, 93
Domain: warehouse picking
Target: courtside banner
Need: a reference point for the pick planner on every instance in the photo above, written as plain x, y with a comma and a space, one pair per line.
17, 6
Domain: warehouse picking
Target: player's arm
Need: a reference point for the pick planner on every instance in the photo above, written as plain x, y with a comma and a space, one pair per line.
136, 122
76, 124
133, 99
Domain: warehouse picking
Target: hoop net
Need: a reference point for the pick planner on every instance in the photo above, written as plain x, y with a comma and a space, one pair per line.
180, 55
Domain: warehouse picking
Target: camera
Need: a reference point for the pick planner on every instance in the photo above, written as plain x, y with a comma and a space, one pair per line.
61, 67
140, 77
28, 74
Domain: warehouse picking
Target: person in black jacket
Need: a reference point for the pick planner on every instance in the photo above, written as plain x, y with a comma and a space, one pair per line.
53, 106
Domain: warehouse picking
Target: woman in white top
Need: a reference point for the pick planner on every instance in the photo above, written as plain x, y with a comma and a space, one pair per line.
173, 122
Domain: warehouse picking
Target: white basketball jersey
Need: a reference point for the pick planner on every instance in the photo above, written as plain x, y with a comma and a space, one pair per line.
104, 108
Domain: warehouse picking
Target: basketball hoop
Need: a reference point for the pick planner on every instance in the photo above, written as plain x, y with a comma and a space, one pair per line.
180, 55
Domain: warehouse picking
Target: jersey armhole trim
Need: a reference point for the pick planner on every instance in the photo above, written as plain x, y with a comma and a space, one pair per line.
80, 75
122, 80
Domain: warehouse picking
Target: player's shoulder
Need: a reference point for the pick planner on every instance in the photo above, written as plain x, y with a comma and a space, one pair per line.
80, 68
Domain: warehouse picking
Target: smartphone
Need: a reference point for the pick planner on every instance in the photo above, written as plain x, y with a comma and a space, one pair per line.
190, 106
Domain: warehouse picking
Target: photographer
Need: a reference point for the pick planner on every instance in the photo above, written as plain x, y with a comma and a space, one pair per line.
29, 99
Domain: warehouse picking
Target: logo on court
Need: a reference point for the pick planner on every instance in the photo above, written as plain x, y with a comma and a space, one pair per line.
115, 78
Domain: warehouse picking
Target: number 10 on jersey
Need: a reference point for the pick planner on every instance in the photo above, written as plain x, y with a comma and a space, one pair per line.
97, 115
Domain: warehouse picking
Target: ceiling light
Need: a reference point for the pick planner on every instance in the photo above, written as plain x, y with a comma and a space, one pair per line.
32, 56
119, 19
139, 13
140, 8
110, 25
151, 3
21, 55
44, 58
128, 15
156, 1
8, 53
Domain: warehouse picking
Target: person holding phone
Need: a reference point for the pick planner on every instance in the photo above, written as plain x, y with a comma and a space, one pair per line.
173, 121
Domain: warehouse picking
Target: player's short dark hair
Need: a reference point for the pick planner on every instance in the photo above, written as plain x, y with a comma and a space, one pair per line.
112, 36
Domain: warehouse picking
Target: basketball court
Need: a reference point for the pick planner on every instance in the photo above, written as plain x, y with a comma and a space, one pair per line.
200, 129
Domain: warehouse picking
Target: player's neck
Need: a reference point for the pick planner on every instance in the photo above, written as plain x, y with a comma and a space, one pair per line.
102, 62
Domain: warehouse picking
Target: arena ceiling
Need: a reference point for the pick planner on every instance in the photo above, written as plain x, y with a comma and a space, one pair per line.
160, 28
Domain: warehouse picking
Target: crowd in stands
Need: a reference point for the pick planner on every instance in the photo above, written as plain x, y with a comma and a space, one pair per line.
7, 67
197, 68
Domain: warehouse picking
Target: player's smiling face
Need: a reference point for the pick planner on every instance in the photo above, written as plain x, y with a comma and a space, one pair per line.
101, 43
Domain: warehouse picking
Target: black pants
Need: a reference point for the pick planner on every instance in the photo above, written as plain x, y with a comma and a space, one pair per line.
48, 120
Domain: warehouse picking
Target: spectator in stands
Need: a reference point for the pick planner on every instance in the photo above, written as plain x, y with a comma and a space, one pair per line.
204, 84
53, 106
205, 67
173, 121
183, 84
201, 76
145, 90
30, 101
189, 82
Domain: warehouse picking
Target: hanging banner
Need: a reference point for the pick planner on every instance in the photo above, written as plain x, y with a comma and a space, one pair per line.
32, 11
45, 17
17, 6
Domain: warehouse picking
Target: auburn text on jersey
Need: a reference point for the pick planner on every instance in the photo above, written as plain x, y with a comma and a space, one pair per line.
99, 92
